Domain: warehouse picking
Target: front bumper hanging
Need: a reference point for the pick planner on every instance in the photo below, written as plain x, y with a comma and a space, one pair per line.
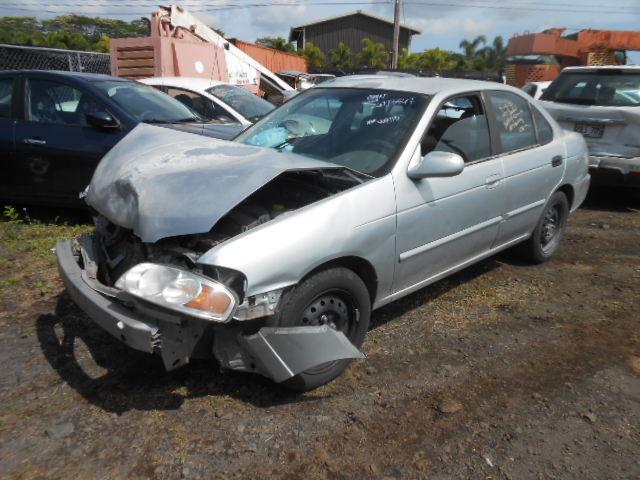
275, 352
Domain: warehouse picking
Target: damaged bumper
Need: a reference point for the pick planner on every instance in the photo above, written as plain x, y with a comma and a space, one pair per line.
615, 171
277, 353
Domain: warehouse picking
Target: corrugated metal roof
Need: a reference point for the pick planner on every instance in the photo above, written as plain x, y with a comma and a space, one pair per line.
357, 12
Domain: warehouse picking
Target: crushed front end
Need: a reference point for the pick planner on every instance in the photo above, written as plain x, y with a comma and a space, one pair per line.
156, 298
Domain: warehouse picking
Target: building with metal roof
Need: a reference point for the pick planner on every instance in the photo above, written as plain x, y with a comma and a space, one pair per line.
350, 28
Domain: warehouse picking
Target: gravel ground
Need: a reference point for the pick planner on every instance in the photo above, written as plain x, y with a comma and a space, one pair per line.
502, 371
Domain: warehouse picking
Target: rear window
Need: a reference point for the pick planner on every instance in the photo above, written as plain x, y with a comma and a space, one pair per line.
615, 88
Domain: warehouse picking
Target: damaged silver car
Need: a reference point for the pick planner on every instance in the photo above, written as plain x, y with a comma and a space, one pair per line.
270, 252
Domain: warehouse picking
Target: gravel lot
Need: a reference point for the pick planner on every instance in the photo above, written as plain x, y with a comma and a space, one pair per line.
501, 371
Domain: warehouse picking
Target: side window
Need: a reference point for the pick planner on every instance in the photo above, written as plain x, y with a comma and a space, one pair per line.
461, 127
545, 132
203, 106
513, 117
6, 90
58, 103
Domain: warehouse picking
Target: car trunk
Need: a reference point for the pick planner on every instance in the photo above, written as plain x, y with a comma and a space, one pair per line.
608, 131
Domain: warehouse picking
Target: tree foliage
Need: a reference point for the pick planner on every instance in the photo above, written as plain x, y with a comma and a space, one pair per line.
277, 43
341, 57
313, 55
373, 55
74, 32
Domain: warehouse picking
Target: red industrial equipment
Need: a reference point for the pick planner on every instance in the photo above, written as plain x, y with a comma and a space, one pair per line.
555, 51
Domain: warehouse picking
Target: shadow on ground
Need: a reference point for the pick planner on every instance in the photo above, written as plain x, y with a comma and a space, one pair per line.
117, 379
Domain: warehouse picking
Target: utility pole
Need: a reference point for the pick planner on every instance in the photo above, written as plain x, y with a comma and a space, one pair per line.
396, 35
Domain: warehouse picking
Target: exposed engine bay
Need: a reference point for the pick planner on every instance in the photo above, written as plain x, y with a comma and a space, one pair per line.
119, 249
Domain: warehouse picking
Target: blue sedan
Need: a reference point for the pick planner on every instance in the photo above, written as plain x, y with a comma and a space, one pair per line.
56, 126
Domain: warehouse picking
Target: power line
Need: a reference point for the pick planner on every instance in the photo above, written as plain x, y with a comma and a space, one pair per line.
544, 8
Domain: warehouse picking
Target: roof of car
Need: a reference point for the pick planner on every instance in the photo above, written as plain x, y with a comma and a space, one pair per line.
427, 86
192, 82
92, 77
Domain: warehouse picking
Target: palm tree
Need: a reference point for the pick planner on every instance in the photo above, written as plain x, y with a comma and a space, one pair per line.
373, 54
471, 47
496, 55
341, 57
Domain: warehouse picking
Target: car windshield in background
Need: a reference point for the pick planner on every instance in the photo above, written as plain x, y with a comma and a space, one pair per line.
250, 106
361, 129
146, 103
615, 88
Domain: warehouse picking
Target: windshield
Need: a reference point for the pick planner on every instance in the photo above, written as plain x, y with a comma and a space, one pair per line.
361, 129
609, 87
146, 103
250, 106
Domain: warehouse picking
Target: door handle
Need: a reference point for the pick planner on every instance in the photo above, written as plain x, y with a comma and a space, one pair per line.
34, 141
556, 161
492, 180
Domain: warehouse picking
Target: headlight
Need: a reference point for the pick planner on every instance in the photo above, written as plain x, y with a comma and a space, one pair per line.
179, 290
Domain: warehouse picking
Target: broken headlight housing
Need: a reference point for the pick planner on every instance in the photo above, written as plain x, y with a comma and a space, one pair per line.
179, 290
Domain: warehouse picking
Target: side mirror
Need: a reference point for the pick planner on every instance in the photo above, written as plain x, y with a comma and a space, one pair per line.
102, 121
437, 164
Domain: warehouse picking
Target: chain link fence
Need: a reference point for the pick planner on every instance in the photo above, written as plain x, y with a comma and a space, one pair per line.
14, 57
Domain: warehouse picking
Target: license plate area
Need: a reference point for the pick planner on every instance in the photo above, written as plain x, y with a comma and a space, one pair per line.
591, 130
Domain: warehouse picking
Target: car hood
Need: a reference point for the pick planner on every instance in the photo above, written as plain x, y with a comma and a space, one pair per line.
224, 131
162, 183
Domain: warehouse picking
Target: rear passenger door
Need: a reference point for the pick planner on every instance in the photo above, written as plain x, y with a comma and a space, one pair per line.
532, 162
7, 130
56, 150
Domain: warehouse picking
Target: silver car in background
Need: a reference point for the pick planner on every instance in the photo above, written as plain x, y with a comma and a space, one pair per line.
603, 104
270, 252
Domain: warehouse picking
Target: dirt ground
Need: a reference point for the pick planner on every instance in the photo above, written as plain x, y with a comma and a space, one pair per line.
502, 371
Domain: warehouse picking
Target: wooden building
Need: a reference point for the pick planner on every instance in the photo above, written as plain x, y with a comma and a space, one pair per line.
350, 29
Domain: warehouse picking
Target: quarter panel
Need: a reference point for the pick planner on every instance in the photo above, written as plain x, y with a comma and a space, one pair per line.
358, 222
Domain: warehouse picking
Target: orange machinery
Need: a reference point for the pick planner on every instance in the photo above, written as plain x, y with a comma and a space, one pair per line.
586, 47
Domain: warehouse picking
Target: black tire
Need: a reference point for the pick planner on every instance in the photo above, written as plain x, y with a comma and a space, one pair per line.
332, 286
548, 234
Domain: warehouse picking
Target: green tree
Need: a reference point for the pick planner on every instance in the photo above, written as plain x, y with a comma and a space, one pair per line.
470, 48
313, 55
341, 57
103, 45
94, 28
67, 40
20, 30
277, 43
75, 32
495, 55
373, 54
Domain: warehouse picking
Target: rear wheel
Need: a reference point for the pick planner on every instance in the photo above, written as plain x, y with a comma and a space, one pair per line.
546, 238
336, 297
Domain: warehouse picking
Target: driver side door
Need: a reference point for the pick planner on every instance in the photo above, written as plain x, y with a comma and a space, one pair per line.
445, 223
56, 150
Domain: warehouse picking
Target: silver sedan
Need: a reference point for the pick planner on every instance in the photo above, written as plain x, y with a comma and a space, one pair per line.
270, 252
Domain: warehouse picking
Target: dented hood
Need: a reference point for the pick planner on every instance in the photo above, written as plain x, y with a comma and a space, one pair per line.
163, 183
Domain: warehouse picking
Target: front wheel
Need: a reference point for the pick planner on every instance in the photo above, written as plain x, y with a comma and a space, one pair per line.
336, 297
546, 238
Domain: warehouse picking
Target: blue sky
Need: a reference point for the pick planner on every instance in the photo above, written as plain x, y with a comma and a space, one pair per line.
444, 23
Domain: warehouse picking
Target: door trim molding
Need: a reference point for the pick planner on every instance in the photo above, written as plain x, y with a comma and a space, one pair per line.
449, 238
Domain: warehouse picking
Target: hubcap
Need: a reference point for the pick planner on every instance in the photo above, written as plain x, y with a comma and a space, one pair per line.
550, 226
